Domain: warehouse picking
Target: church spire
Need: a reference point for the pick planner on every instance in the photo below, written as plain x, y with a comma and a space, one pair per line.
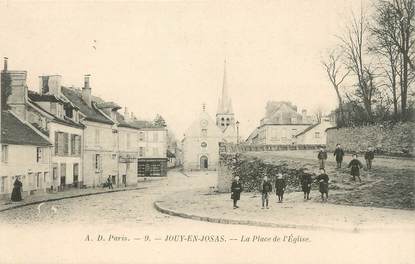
225, 103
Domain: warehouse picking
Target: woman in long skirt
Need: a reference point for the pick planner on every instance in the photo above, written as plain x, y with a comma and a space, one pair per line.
17, 191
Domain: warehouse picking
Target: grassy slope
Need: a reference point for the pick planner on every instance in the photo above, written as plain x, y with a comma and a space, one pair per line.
390, 183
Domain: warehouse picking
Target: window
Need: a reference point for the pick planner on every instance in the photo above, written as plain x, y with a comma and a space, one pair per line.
141, 152
141, 136
204, 133
98, 162
31, 179
97, 136
38, 180
203, 145
65, 143
155, 136
293, 120
75, 172
317, 134
61, 143
39, 154
3, 184
114, 156
4, 153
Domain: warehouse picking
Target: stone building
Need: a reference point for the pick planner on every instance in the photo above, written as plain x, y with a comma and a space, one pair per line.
315, 134
25, 154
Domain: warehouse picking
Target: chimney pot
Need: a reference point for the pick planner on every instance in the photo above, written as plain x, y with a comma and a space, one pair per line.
5, 63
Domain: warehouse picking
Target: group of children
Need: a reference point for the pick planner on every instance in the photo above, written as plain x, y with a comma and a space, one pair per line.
306, 180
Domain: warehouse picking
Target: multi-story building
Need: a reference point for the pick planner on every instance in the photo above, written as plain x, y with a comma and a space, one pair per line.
25, 154
56, 120
280, 125
100, 144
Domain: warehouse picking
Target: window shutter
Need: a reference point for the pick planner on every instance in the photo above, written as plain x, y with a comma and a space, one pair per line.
94, 165
66, 143
79, 145
56, 142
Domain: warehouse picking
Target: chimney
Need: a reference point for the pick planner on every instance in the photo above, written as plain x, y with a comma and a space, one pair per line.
50, 84
18, 98
5, 64
86, 91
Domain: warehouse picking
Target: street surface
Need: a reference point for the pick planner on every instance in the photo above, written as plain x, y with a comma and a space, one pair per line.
67, 231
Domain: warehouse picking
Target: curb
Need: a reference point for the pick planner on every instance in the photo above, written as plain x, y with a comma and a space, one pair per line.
355, 229
67, 197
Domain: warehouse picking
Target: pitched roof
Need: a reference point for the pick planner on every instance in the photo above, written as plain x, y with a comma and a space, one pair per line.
307, 129
91, 113
14, 131
43, 97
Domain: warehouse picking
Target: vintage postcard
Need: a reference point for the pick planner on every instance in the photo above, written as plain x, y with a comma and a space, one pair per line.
207, 131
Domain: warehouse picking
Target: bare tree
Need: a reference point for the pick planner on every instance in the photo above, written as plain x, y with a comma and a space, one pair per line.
333, 69
354, 47
396, 24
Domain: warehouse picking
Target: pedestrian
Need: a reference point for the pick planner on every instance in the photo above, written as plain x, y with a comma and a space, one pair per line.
322, 156
323, 182
306, 181
236, 190
17, 190
355, 166
339, 154
109, 182
266, 189
369, 156
280, 187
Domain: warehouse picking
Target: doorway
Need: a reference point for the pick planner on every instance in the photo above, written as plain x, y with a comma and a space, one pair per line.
204, 163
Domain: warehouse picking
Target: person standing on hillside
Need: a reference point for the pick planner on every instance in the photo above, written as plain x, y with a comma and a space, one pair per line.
236, 190
322, 156
280, 187
355, 166
323, 183
369, 156
339, 154
306, 181
266, 189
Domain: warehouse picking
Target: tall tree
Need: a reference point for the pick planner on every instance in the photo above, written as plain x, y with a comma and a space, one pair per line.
159, 121
354, 45
333, 69
396, 25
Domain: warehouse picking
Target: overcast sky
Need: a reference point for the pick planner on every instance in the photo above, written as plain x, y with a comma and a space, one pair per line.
167, 57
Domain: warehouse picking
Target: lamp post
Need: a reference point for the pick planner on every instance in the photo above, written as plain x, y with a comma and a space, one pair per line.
237, 132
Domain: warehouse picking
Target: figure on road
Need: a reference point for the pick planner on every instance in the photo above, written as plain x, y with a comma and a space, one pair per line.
323, 182
266, 189
280, 187
17, 190
322, 156
355, 166
236, 190
339, 154
109, 182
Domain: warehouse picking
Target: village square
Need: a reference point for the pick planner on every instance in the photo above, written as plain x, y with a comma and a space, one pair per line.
314, 166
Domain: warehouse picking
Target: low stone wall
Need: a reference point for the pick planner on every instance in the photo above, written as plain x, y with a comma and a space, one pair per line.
387, 139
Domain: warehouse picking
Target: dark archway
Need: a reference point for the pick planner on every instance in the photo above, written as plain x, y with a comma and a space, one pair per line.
204, 163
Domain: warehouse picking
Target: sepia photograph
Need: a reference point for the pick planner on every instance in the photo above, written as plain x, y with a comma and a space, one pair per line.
184, 131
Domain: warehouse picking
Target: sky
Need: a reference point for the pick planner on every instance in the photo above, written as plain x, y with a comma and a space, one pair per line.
167, 57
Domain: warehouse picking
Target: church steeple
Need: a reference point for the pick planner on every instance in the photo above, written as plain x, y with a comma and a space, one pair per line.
225, 102
224, 115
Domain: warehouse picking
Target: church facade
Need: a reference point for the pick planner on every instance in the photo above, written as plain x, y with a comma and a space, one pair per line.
200, 144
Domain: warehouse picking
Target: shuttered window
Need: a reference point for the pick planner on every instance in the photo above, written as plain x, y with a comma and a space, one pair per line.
65, 143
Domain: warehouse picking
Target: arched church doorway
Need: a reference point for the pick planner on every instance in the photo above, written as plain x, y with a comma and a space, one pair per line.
204, 163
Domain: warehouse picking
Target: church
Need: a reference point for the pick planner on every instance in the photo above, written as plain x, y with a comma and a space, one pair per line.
200, 144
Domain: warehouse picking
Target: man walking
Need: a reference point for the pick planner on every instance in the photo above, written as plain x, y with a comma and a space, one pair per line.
322, 156
369, 156
266, 189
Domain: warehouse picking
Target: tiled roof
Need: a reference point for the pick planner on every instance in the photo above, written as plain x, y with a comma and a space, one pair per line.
43, 97
111, 105
14, 131
91, 113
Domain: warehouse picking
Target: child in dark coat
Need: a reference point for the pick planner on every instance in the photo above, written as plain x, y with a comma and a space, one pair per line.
323, 182
369, 156
306, 181
339, 154
322, 156
236, 190
280, 187
355, 166
266, 189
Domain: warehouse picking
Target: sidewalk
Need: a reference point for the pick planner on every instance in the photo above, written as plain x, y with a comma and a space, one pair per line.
293, 213
71, 193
